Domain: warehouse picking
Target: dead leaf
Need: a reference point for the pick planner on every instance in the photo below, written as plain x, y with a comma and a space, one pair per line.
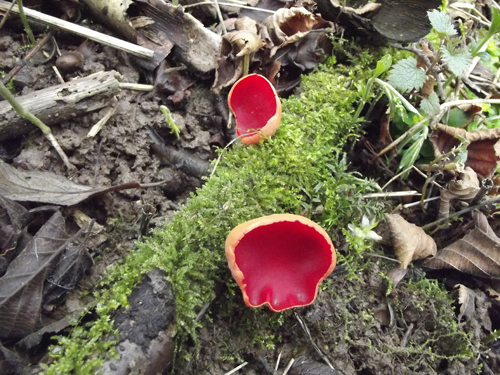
466, 299
244, 42
305, 366
67, 272
21, 286
396, 275
410, 242
477, 253
384, 314
465, 188
483, 150
286, 26
11, 363
47, 187
13, 218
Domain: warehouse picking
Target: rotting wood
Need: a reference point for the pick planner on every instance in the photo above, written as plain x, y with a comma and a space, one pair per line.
58, 103
83, 31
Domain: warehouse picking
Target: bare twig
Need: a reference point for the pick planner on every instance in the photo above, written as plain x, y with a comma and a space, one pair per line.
316, 347
6, 16
36, 121
99, 125
26, 58
408, 133
487, 202
82, 31
236, 368
394, 194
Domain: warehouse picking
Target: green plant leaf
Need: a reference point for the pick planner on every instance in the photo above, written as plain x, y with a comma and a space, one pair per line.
458, 60
394, 95
406, 76
441, 22
383, 65
495, 22
412, 153
430, 106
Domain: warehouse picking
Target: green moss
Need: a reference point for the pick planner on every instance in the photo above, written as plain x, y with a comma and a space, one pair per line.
300, 169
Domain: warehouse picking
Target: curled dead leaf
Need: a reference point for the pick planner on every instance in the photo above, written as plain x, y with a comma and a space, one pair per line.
244, 42
483, 152
477, 253
466, 301
396, 275
410, 242
465, 187
287, 26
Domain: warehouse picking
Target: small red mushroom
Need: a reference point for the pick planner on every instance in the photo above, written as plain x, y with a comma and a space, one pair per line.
279, 260
256, 107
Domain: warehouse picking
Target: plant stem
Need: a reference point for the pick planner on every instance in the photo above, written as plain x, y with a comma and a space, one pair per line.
246, 64
24, 20
459, 213
36, 121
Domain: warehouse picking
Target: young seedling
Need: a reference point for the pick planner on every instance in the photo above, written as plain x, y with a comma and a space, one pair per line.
174, 128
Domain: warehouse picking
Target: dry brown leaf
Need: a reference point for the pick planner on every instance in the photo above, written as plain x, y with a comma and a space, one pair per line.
410, 242
483, 150
48, 187
244, 42
466, 299
396, 275
286, 26
477, 253
465, 187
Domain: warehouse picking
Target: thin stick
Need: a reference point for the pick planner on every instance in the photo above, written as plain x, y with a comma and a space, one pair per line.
394, 194
219, 14
315, 346
99, 125
277, 363
289, 366
229, 5
403, 136
459, 213
36, 121
408, 205
6, 16
397, 176
26, 58
135, 86
236, 368
469, 101
82, 31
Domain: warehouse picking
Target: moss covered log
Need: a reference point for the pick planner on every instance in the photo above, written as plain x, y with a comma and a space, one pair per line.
302, 169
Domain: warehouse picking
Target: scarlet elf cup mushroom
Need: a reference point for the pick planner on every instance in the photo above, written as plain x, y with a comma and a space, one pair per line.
256, 107
279, 260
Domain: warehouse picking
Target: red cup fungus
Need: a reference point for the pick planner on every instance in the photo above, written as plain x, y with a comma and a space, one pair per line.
256, 107
279, 260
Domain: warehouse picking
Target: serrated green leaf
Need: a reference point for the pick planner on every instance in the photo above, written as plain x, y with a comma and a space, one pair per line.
441, 22
430, 106
406, 76
458, 60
